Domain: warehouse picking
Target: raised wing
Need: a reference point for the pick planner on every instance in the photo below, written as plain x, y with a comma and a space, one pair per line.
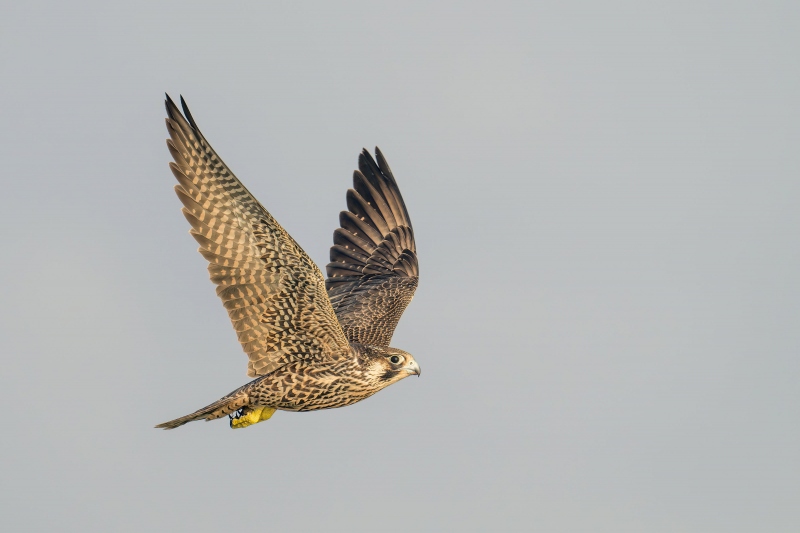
373, 271
274, 293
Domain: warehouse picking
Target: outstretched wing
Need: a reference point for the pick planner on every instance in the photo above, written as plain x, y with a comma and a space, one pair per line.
373, 271
274, 293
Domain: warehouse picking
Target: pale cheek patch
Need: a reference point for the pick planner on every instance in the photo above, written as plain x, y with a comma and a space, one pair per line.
375, 371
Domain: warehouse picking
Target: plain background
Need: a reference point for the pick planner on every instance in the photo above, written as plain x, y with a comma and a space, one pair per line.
605, 197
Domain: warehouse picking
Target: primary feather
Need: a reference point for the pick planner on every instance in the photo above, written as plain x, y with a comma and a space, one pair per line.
373, 271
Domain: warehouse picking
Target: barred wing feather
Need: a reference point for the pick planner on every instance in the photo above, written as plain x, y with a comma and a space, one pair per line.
373, 271
274, 293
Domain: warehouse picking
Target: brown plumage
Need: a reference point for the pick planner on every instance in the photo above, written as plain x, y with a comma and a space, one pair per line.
312, 343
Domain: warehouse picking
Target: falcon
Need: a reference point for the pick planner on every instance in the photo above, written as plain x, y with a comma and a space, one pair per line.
312, 343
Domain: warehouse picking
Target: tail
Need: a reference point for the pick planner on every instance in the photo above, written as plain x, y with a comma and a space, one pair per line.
222, 407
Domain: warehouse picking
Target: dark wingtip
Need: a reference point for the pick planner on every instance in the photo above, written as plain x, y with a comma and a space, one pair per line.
365, 160
380, 159
384, 165
170, 106
188, 113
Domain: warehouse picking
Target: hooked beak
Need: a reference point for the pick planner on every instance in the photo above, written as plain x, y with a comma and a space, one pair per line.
413, 368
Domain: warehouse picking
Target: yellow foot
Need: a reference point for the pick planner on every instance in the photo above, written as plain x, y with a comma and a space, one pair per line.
252, 416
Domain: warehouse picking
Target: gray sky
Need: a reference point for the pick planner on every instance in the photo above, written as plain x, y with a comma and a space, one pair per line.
605, 199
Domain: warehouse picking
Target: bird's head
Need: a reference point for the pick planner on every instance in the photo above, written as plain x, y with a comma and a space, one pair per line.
388, 365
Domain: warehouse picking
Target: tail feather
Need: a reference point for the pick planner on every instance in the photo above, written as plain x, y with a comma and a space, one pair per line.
222, 407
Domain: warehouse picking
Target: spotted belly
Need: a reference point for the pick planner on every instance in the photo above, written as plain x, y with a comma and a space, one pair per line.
308, 388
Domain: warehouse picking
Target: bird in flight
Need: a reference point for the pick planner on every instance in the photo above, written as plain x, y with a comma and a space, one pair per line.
312, 343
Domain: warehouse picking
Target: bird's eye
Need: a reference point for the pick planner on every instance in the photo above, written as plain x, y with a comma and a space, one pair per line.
394, 359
